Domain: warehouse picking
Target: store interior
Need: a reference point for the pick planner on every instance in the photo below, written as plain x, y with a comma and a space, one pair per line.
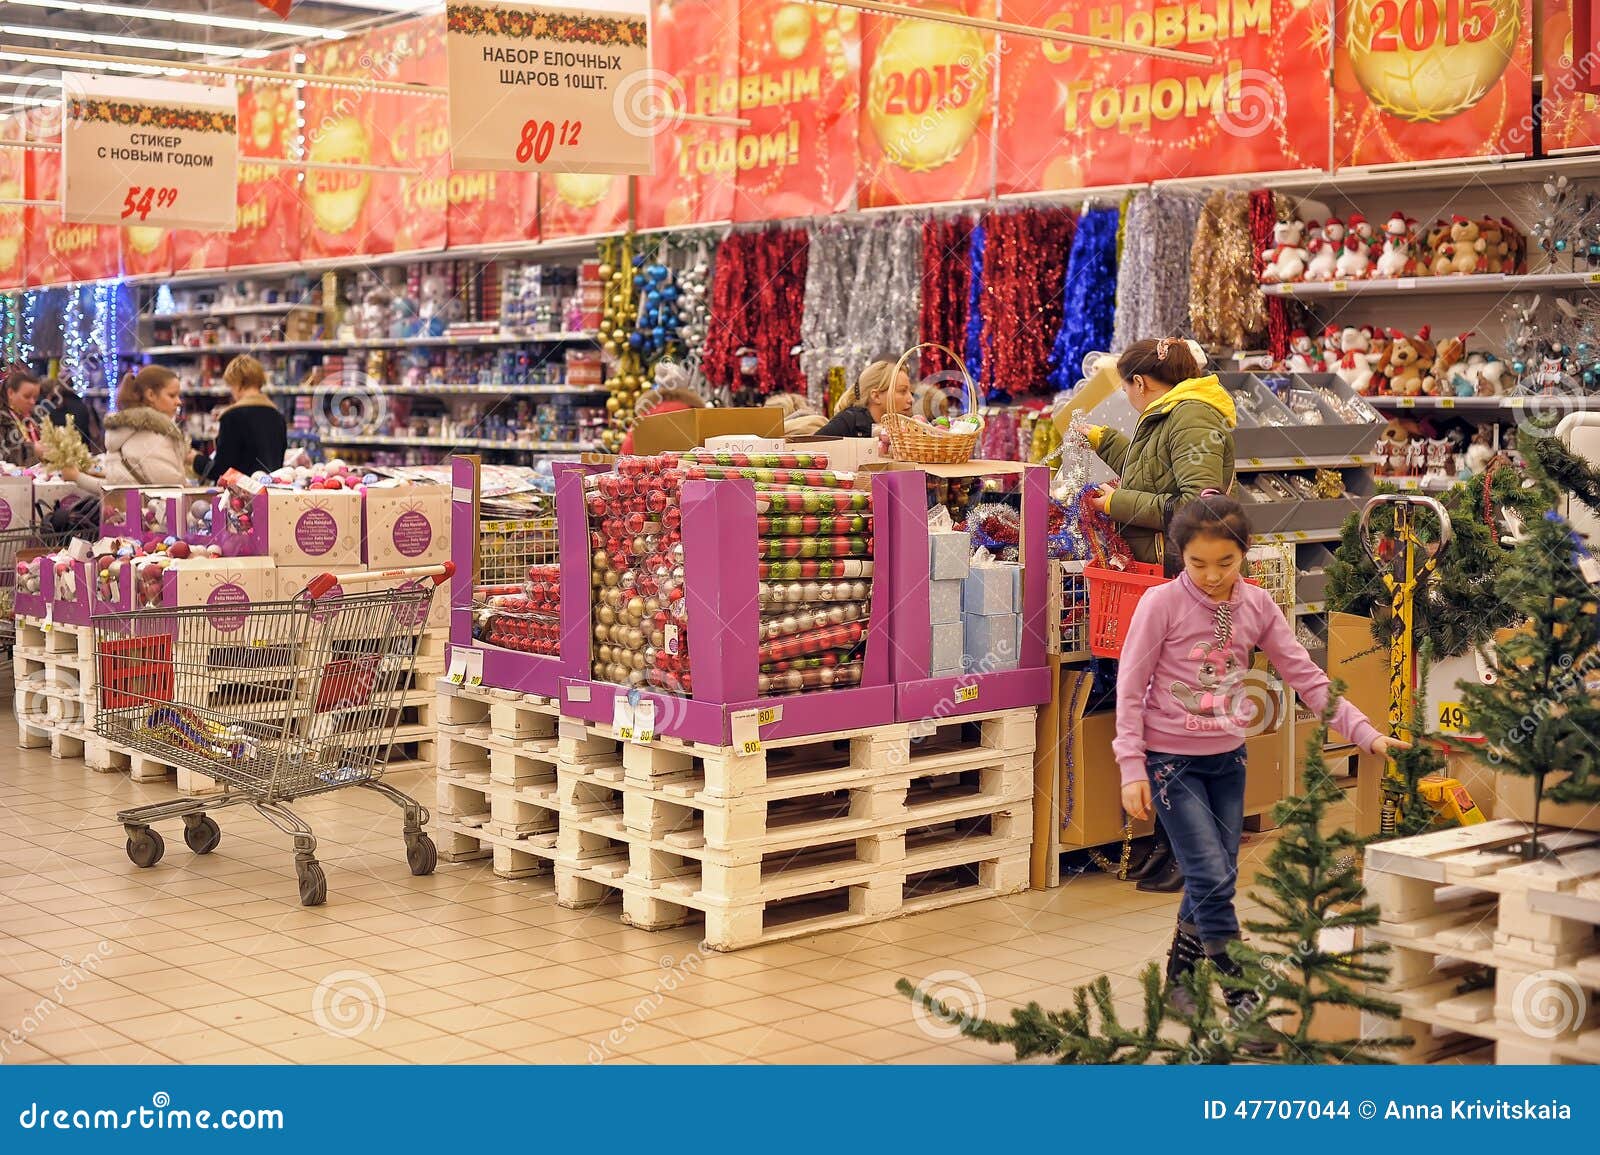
656, 716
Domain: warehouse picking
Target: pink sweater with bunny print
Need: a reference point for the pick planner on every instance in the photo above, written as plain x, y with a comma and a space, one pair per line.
1184, 682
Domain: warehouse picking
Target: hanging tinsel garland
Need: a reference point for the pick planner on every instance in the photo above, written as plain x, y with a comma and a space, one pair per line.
1089, 300
1263, 216
1153, 282
1025, 265
1226, 305
824, 329
972, 340
757, 302
689, 255
945, 243
887, 292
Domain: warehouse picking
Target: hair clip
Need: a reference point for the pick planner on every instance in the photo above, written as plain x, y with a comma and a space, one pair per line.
1162, 346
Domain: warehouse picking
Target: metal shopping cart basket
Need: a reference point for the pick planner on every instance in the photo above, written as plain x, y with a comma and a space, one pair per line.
275, 701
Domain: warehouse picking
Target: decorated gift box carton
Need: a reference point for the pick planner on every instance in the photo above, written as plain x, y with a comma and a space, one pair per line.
69, 583
294, 527
31, 596
226, 586
406, 525
16, 501
140, 513
292, 580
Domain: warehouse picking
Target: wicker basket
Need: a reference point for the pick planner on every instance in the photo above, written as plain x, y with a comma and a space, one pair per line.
911, 440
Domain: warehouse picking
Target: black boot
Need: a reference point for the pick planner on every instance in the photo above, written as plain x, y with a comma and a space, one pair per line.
1152, 863
1167, 881
1242, 1001
1186, 950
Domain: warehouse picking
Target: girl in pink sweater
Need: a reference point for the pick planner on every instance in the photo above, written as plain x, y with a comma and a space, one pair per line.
1186, 701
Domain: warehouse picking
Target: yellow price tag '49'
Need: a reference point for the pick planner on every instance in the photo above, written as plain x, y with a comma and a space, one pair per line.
1452, 718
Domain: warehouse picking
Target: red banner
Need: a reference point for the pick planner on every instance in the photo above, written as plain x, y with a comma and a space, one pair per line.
1571, 109
927, 107
13, 218
59, 252
573, 204
799, 70
1418, 80
146, 250
269, 195
418, 131
1075, 117
694, 47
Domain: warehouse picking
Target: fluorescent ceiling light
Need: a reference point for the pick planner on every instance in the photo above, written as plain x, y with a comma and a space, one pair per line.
29, 101
137, 69
109, 40
387, 5
205, 20
9, 78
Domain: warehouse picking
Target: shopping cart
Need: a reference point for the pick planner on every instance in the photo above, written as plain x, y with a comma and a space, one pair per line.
275, 701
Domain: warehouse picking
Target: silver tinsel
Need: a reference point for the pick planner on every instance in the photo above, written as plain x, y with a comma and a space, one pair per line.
1153, 279
863, 296
689, 256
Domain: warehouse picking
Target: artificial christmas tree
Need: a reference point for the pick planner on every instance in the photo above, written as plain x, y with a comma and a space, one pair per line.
1311, 888
1539, 719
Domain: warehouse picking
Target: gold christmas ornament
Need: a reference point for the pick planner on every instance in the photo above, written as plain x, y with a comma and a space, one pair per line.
337, 198
791, 30
583, 189
925, 98
1413, 64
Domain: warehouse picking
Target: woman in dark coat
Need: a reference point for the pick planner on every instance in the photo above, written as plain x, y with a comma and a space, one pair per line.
252, 435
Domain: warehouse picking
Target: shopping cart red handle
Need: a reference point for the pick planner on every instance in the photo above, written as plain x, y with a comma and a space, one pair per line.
322, 584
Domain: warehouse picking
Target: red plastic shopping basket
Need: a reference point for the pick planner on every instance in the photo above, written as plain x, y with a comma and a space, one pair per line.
1113, 594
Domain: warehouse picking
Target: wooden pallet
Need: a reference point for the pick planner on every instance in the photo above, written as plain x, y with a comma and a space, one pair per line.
64, 740
109, 757
56, 638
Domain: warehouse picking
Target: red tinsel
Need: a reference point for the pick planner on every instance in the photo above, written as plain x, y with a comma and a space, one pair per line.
1263, 215
756, 303
1024, 271
944, 289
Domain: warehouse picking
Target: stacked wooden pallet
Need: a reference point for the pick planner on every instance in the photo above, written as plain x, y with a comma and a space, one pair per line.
806, 834
53, 669
496, 779
1489, 948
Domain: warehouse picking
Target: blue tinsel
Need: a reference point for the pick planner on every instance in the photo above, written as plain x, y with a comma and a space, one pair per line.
1090, 297
973, 349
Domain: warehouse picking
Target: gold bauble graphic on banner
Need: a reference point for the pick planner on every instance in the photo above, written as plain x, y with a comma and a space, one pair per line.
927, 94
143, 239
582, 190
337, 198
1428, 60
791, 30
10, 238
262, 126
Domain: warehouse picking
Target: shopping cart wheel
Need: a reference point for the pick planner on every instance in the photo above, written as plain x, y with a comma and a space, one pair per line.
313, 883
203, 834
145, 846
421, 854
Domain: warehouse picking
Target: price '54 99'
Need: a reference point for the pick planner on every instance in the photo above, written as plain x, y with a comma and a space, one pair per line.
140, 200
540, 136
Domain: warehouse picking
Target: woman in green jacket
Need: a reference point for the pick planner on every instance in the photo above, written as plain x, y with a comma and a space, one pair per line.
1181, 447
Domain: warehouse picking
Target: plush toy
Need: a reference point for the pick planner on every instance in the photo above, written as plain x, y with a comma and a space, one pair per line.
1447, 355
1304, 356
1480, 452
1490, 377
1406, 363
1466, 247
1416, 456
1286, 259
1391, 447
1324, 262
1517, 245
1354, 360
1438, 451
1354, 260
1438, 243
1398, 258
1496, 248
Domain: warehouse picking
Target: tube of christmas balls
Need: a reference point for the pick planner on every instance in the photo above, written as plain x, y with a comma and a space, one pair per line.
797, 680
799, 499
841, 636
825, 478
811, 524
755, 460
795, 621
808, 547
793, 593
790, 571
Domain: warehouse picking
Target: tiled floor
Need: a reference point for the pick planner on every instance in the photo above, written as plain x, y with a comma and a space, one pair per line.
213, 959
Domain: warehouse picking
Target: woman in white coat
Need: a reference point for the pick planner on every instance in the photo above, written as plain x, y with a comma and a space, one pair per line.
144, 445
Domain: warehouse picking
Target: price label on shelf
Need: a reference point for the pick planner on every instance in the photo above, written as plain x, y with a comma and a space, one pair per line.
644, 720
746, 732
458, 665
1300, 535
1447, 403
595, 104
1408, 402
1594, 278
1452, 718
622, 718
769, 715
966, 693
474, 667
151, 154
1339, 287
1300, 461
1406, 283
1255, 461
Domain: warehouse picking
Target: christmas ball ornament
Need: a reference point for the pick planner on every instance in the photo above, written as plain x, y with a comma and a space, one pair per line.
337, 198
1415, 66
791, 30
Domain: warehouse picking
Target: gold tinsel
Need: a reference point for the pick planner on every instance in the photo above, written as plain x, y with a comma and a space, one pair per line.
1226, 305
61, 447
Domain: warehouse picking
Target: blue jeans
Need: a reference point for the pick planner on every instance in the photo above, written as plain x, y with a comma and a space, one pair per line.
1200, 801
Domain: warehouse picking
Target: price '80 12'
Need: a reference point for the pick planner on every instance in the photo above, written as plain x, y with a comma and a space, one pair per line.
540, 136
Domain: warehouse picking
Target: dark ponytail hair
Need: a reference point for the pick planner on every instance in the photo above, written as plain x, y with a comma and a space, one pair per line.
1165, 359
1211, 515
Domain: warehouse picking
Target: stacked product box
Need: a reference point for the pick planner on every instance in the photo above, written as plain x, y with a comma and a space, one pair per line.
948, 552
991, 605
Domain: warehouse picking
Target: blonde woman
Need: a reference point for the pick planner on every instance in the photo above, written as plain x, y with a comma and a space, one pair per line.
252, 435
878, 391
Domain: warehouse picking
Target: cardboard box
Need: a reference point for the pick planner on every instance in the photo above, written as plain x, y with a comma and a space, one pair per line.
1362, 664
294, 527
1091, 786
947, 651
34, 603
949, 554
16, 502
406, 525
67, 582
995, 589
1513, 797
225, 585
291, 580
991, 642
944, 604
141, 513
849, 454
689, 428
740, 443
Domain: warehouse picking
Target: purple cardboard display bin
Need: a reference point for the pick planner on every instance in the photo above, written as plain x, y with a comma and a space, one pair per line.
721, 576
67, 583
26, 605
123, 513
512, 669
900, 502
295, 527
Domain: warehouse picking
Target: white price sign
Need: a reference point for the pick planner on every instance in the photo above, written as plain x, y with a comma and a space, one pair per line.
142, 153
553, 88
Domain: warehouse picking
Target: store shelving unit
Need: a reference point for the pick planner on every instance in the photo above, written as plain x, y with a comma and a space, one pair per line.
1492, 283
258, 348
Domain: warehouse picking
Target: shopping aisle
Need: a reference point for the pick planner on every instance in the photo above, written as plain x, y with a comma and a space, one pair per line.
213, 960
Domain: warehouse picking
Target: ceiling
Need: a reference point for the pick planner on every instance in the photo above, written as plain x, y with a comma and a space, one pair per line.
63, 25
